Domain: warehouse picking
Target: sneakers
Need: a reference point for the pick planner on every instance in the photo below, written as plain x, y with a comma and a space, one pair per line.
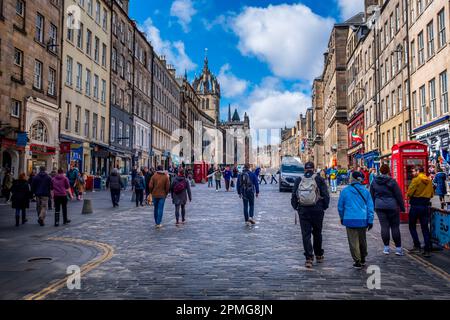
386, 250
415, 250
252, 221
158, 226
320, 259
309, 263
399, 251
357, 265
248, 223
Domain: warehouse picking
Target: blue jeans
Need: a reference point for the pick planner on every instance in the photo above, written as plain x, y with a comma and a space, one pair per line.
421, 213
333, 185
249, 206
158, 203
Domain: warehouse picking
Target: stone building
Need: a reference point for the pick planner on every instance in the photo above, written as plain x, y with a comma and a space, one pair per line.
85, 100
30, 51
318, 129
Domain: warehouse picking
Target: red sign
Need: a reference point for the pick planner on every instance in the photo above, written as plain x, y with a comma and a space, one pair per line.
65, 147
356, 131
40, 149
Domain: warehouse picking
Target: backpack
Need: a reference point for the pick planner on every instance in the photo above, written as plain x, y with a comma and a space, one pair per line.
246, 182
179, 187
333, 175
308, 193
73, 175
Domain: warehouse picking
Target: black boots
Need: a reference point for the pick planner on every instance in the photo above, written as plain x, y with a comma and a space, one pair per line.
65, 219
56, 219
17, 221
24, 218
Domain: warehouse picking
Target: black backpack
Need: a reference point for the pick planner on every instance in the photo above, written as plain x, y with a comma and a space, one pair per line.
246, 183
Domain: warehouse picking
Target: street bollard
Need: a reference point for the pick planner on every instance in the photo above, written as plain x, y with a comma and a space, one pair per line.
87, 207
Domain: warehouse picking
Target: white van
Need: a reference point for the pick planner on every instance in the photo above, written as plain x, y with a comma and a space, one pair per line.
291, 169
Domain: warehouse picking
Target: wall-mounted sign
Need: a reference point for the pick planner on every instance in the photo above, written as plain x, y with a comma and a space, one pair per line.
442, 129
22, 139
40, 149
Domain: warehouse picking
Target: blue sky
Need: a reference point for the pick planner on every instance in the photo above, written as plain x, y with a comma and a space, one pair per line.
265, 52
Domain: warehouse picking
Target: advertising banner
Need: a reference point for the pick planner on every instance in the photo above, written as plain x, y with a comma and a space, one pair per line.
440, 222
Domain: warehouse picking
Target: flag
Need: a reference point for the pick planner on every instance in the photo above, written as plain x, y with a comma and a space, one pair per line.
356, 137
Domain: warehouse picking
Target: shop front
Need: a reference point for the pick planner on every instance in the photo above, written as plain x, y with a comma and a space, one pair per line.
99, 159
436, 136
41, 156
372, 159
71, 153
355, 140
10, 155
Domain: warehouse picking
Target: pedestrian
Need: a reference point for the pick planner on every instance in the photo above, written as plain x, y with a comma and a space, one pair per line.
218, 178
134, 174
210, 177
273, 178
80, 186
388, 202
440, 184
263, 177
372, 175
227, 174
72, 175
41, 187
115, 185
235, 176
247, 188
61, 193
159, 187
310, 198
21, 195
356, 212
139, 187
30, 181
180, 191
147, 176
333, 179
366, 181
7, 185
420, 193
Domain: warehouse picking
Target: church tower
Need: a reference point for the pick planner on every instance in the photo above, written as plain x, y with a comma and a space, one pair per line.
208, 89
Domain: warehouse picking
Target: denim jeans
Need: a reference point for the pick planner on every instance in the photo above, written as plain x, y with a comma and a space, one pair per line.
23, 211
183, 212
333, 185
210, 182
158, 203
139, 197
421, 213
249, 206
218, 185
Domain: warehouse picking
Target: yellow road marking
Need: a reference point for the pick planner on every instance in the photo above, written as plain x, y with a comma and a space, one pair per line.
107, 254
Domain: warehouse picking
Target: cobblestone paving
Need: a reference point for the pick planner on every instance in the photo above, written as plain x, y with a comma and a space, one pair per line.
215, 256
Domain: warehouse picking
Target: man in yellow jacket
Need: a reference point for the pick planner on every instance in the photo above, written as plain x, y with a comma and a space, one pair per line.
420, 193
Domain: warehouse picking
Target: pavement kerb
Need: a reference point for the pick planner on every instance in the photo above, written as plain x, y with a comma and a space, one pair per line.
107, 254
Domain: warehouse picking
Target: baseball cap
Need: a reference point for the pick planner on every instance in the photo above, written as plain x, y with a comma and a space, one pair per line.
309, 165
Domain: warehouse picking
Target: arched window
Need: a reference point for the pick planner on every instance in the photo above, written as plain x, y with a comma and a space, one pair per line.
207, 104
39, 131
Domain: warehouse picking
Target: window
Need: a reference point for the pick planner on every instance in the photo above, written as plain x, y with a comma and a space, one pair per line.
392, 25
400, 132
113, 129
420, 47
127, 134
122, 66
102, 129
70, 27
388, 139
80, 36
51, 82
68, 113
121, 94
20, 8
413, 55
432, 92
103, 97
105, 19
16, 107
120, 132
394, 135
397, 18
423, 105
37, 75
414, 106
413, 12
113, 94
443, 91
104, 55
53, 38
89, 42
394, 103
430, 32
388, 107
400, 98
114, 59
419, 7
441, 26
94, 125
39, 35
88, 82
96, 83
39, 132
18, 57
79, 76
97, 11
77, 120
89, 7
86, 123
406, 94
96, 49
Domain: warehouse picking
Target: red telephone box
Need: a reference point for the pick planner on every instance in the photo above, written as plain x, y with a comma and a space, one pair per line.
200, 171
405, 157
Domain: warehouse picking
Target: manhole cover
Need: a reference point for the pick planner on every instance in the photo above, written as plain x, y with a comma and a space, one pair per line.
39, 259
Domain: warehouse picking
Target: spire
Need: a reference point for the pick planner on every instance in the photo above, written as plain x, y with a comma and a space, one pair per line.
236, 117
185, 74
205, 66
229, 112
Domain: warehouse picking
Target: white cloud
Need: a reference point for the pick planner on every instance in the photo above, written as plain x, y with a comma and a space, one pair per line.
183, 10
349, 8
271, 106
174, 51
290, 38
230, 85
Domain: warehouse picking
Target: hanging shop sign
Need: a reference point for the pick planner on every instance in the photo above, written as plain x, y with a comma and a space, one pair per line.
41, 149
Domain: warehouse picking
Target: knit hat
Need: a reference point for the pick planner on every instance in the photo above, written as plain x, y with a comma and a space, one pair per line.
309, 166
357, 177
385, 169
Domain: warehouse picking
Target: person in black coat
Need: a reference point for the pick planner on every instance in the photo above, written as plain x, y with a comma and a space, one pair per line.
388, 201
21, 195
311, 217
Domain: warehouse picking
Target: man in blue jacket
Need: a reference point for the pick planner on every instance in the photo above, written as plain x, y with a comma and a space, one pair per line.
41, 187
356, 211
247, 187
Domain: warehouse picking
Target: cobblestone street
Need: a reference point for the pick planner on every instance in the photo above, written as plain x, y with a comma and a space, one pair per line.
213, 256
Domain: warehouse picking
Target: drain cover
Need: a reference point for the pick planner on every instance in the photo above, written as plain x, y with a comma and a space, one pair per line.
39, 259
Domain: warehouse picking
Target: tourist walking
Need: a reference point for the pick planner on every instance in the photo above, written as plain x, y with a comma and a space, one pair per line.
218, 178
356, 212
227, 174
139, 188
210, 177
61, 194
20, 198
80, 186
180, 191
72, 175
159, 188
310, 198
148, 176
388, 202
41, 187
235, 176
440, 184
273, 178
333, 180
263, 177
115, 185
420, 193
247, 188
